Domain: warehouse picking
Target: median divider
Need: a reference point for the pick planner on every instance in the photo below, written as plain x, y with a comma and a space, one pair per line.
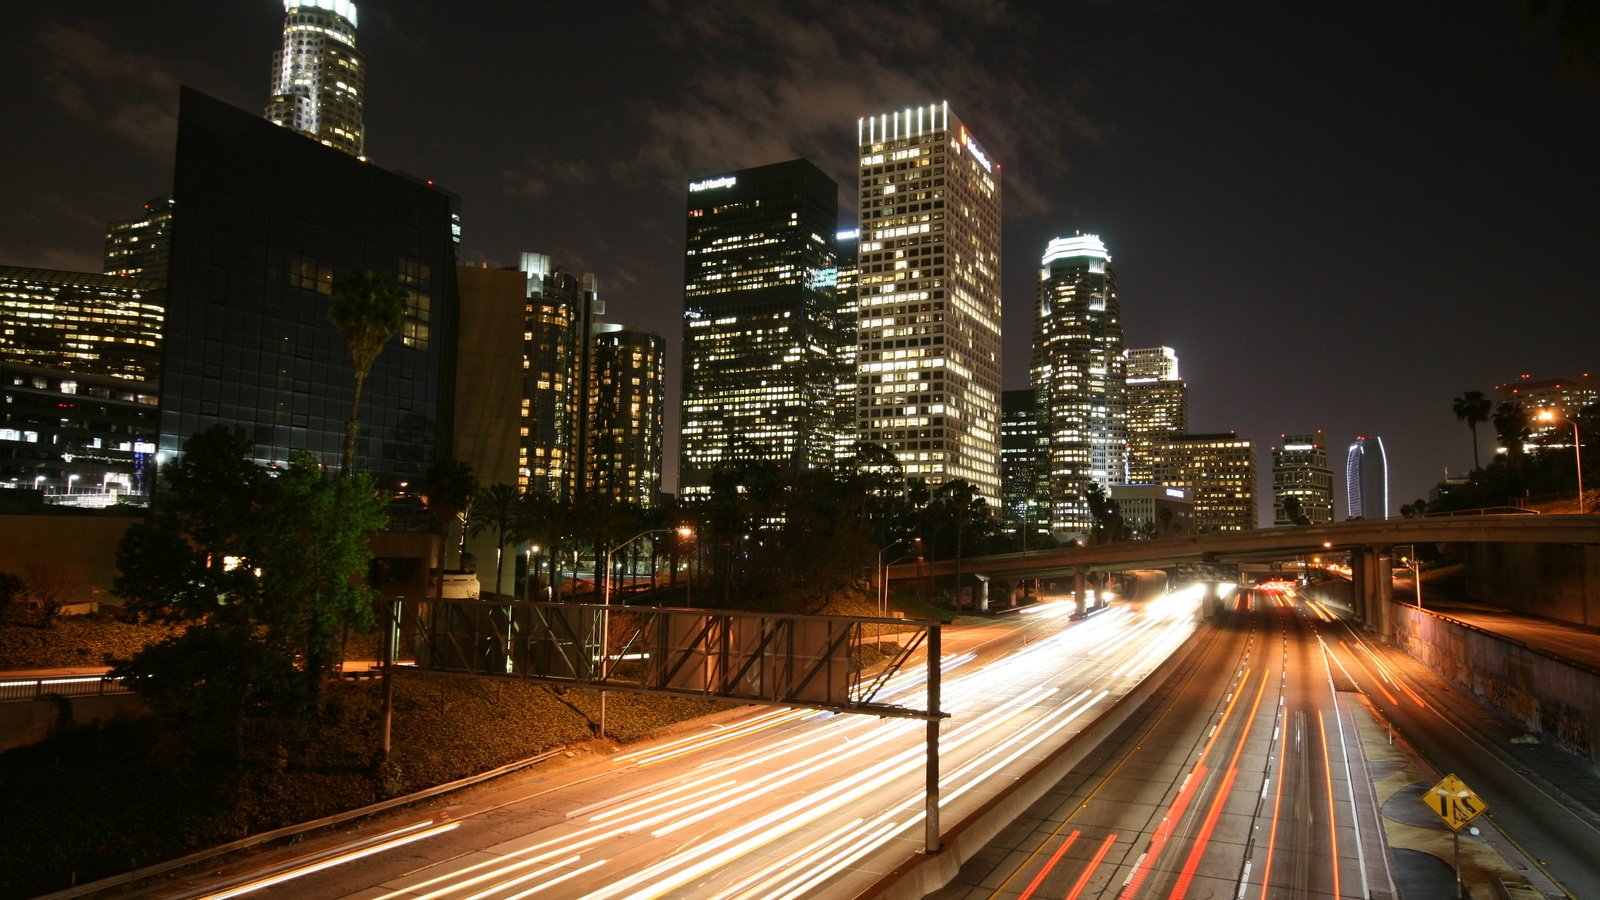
924, 874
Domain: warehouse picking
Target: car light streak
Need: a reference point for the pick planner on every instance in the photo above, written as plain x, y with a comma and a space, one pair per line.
1048, 866
340, 858
555, 881
1377, 680
1219, 799
1277, 799
1333, 826
1094, 863
524, 879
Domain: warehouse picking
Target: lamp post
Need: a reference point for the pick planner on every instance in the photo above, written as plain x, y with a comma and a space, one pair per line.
70, 480
1577, 450
1415, 565
683, 531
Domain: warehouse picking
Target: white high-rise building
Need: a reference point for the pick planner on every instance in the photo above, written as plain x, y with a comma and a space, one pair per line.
1158, 407
1078, 370
1366, 479
928, 344
319, 78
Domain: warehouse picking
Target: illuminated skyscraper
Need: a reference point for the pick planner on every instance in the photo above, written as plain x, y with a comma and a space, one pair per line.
1366, 479
557, 375
1158, 407
845, 372
319, 78
141, 248
624, 449
761, 341
928, 333
1078, 370
1218, 471
1300, 470
1023, 451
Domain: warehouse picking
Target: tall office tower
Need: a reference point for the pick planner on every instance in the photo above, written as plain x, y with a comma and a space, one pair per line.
1158, 407
1024, 453
846, 312
928, 334
141, 247
1366, 479
761, 335
561, 311
1218, 471
82, 323
1078, 371
263, 225
1300, 470
629, 397
319, 78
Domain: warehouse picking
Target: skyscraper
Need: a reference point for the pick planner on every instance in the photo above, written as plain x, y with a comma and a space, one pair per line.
761, 341
629, 395
1300, 470
1078, 370
846, 312
561, 312
1219, 472
1366, 479
318, 77
263, 225
1158, 407
1024, 489
928, 333
141, 247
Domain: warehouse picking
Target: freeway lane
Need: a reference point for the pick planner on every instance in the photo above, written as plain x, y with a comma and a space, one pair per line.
1233, 781
776, 804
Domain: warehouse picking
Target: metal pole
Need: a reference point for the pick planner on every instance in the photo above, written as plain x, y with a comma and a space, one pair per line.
930, 842
1577, 455
390, 636
1456, 838
605, 638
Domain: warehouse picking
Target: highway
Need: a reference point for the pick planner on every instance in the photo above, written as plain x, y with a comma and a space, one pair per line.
1242, 777
776, 803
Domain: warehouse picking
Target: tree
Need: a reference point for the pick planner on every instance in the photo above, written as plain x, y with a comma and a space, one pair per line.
51, 585
496, 507
448, 487
13, 591
367, 310
1108, 524
1511, 426
1294, 511
1472, 408
260, 569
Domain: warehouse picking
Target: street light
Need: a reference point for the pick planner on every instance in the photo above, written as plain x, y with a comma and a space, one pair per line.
1415, 565
683, 531
1577, 450
70, 480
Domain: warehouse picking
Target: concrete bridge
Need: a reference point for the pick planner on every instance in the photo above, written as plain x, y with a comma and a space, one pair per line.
1370, 545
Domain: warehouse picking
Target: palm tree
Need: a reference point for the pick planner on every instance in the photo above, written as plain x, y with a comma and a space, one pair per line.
367, 310
448, 487
1472, 408
1511, 424
496, 507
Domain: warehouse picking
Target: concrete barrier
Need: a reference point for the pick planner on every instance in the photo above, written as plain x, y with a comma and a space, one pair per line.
925, 874
26, 722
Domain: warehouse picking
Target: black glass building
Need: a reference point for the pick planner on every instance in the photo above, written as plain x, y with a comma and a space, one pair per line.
761, 333
265, 220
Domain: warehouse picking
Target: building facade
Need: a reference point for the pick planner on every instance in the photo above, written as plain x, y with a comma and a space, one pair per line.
1154, 510
1562, 398
141, 247
1300, 470
1079, 374
1366, 479
1218, 471
81, 440
629, 399
264, 223
928, 333
82, 323
1158, 407
761, 327
846, 306
558, 371
1024, 459
318, 76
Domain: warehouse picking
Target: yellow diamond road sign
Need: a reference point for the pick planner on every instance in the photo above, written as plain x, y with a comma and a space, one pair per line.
1454, 802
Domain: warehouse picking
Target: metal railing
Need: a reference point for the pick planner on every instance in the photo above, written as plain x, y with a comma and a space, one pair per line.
15, 689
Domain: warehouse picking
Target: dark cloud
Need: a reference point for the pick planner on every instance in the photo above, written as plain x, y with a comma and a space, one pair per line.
133, 96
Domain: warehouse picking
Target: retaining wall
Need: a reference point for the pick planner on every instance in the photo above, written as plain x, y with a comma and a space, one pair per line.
25, 722
1554, 698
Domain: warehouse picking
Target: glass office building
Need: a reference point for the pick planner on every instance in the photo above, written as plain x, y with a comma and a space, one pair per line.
1366, 479
318, 76
82, 323
761, 330
264, 223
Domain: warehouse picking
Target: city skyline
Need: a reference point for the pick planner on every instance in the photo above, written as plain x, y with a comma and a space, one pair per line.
1252, 208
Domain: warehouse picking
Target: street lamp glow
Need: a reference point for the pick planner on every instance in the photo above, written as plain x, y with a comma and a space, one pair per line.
1577, 449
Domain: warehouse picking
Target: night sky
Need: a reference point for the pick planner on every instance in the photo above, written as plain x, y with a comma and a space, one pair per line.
1340, 215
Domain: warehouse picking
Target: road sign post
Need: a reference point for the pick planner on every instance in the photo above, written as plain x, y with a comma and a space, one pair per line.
1455, 803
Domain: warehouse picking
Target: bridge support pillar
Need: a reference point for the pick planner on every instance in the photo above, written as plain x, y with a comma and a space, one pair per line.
1360, 595
1079, 591
1383, 592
